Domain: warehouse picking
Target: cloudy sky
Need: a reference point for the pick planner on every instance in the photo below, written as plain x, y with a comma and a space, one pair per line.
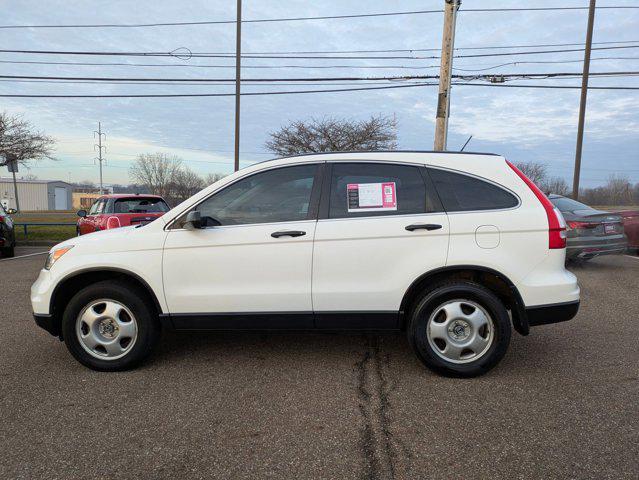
523, 124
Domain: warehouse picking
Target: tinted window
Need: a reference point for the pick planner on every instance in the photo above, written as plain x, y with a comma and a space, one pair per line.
280, 195
568, 205
140, 205
462, 192
404, 182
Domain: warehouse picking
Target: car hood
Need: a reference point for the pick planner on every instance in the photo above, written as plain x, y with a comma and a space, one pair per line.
97, 237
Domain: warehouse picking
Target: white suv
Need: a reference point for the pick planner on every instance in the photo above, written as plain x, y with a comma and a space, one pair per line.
452, 248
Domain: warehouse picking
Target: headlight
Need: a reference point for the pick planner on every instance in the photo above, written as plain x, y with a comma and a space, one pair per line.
55, 255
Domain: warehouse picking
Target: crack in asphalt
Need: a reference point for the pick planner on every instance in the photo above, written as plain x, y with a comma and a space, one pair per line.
385, 458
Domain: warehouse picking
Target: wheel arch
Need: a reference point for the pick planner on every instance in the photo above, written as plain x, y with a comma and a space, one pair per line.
495, 281
72, 283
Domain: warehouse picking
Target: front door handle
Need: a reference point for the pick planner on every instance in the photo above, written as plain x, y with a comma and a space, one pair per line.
423, 226
288, 233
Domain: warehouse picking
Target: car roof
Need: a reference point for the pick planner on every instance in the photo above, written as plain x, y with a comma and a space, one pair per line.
388, 154
130, 195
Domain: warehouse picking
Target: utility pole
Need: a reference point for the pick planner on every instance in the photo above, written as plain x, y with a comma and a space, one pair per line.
582, 103
99, 145
238, 69
443, 99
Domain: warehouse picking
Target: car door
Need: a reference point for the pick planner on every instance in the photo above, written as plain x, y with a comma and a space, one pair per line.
381, 226
250, 266
87, 224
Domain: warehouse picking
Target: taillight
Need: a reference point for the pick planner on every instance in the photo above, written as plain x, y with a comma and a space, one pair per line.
556, 222
113, 222
576, 225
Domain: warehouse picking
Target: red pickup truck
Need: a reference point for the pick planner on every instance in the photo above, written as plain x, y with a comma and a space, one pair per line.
114, 211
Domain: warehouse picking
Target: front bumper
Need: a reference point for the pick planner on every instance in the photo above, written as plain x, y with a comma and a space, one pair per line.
552, 313
48, 323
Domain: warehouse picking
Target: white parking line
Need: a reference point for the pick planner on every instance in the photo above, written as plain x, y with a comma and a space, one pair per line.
632, 256
23, 256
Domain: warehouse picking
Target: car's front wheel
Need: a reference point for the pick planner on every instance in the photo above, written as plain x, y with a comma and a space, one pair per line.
109, 326
459, 329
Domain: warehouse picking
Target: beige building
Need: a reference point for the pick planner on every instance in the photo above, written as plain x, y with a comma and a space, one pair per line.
84, 200
36, 195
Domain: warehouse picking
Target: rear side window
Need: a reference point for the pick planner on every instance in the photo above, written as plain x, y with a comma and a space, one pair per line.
465, 193
373, 189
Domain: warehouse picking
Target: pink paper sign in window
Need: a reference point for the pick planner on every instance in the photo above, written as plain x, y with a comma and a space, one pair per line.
371, 197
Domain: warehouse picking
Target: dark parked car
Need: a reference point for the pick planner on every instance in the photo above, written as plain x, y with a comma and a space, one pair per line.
7, 233
590, 232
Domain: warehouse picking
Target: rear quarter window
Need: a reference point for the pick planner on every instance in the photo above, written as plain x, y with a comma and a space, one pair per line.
459, 192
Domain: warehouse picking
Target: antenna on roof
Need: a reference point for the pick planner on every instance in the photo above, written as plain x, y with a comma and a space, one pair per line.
462, 149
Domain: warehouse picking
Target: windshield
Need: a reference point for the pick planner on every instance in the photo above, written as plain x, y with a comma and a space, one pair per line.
140, 205
568, 204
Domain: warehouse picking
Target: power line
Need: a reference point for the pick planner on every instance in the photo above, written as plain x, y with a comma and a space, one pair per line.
481, 69
302, 79
305, 57
321, 17
387, 67
290, 92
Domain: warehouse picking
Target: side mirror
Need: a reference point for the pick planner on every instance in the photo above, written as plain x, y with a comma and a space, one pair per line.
193, 220
12, 211
82, 213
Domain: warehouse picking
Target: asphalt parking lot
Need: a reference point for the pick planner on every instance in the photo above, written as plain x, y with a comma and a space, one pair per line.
564, 403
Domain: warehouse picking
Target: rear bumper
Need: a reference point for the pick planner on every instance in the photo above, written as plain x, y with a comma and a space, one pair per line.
588, 247
553, 313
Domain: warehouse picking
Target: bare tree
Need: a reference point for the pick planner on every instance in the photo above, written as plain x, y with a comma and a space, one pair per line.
156, 171
556, 185
185, 184
211, 178
331, 135
29, 176
619, 190
19, 139
537, 172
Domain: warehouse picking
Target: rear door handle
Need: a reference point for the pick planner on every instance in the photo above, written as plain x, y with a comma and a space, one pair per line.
423, 226
288, 233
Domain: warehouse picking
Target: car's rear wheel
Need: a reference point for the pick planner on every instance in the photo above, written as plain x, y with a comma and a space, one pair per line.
459, 329
8, 252
109, 326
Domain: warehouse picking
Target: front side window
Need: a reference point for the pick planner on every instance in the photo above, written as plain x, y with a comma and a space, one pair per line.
373, 189
278, 195
95, 207
465, 193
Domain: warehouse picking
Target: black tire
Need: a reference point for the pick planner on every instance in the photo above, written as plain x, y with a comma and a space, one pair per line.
431, 300
136, 300
8, 252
